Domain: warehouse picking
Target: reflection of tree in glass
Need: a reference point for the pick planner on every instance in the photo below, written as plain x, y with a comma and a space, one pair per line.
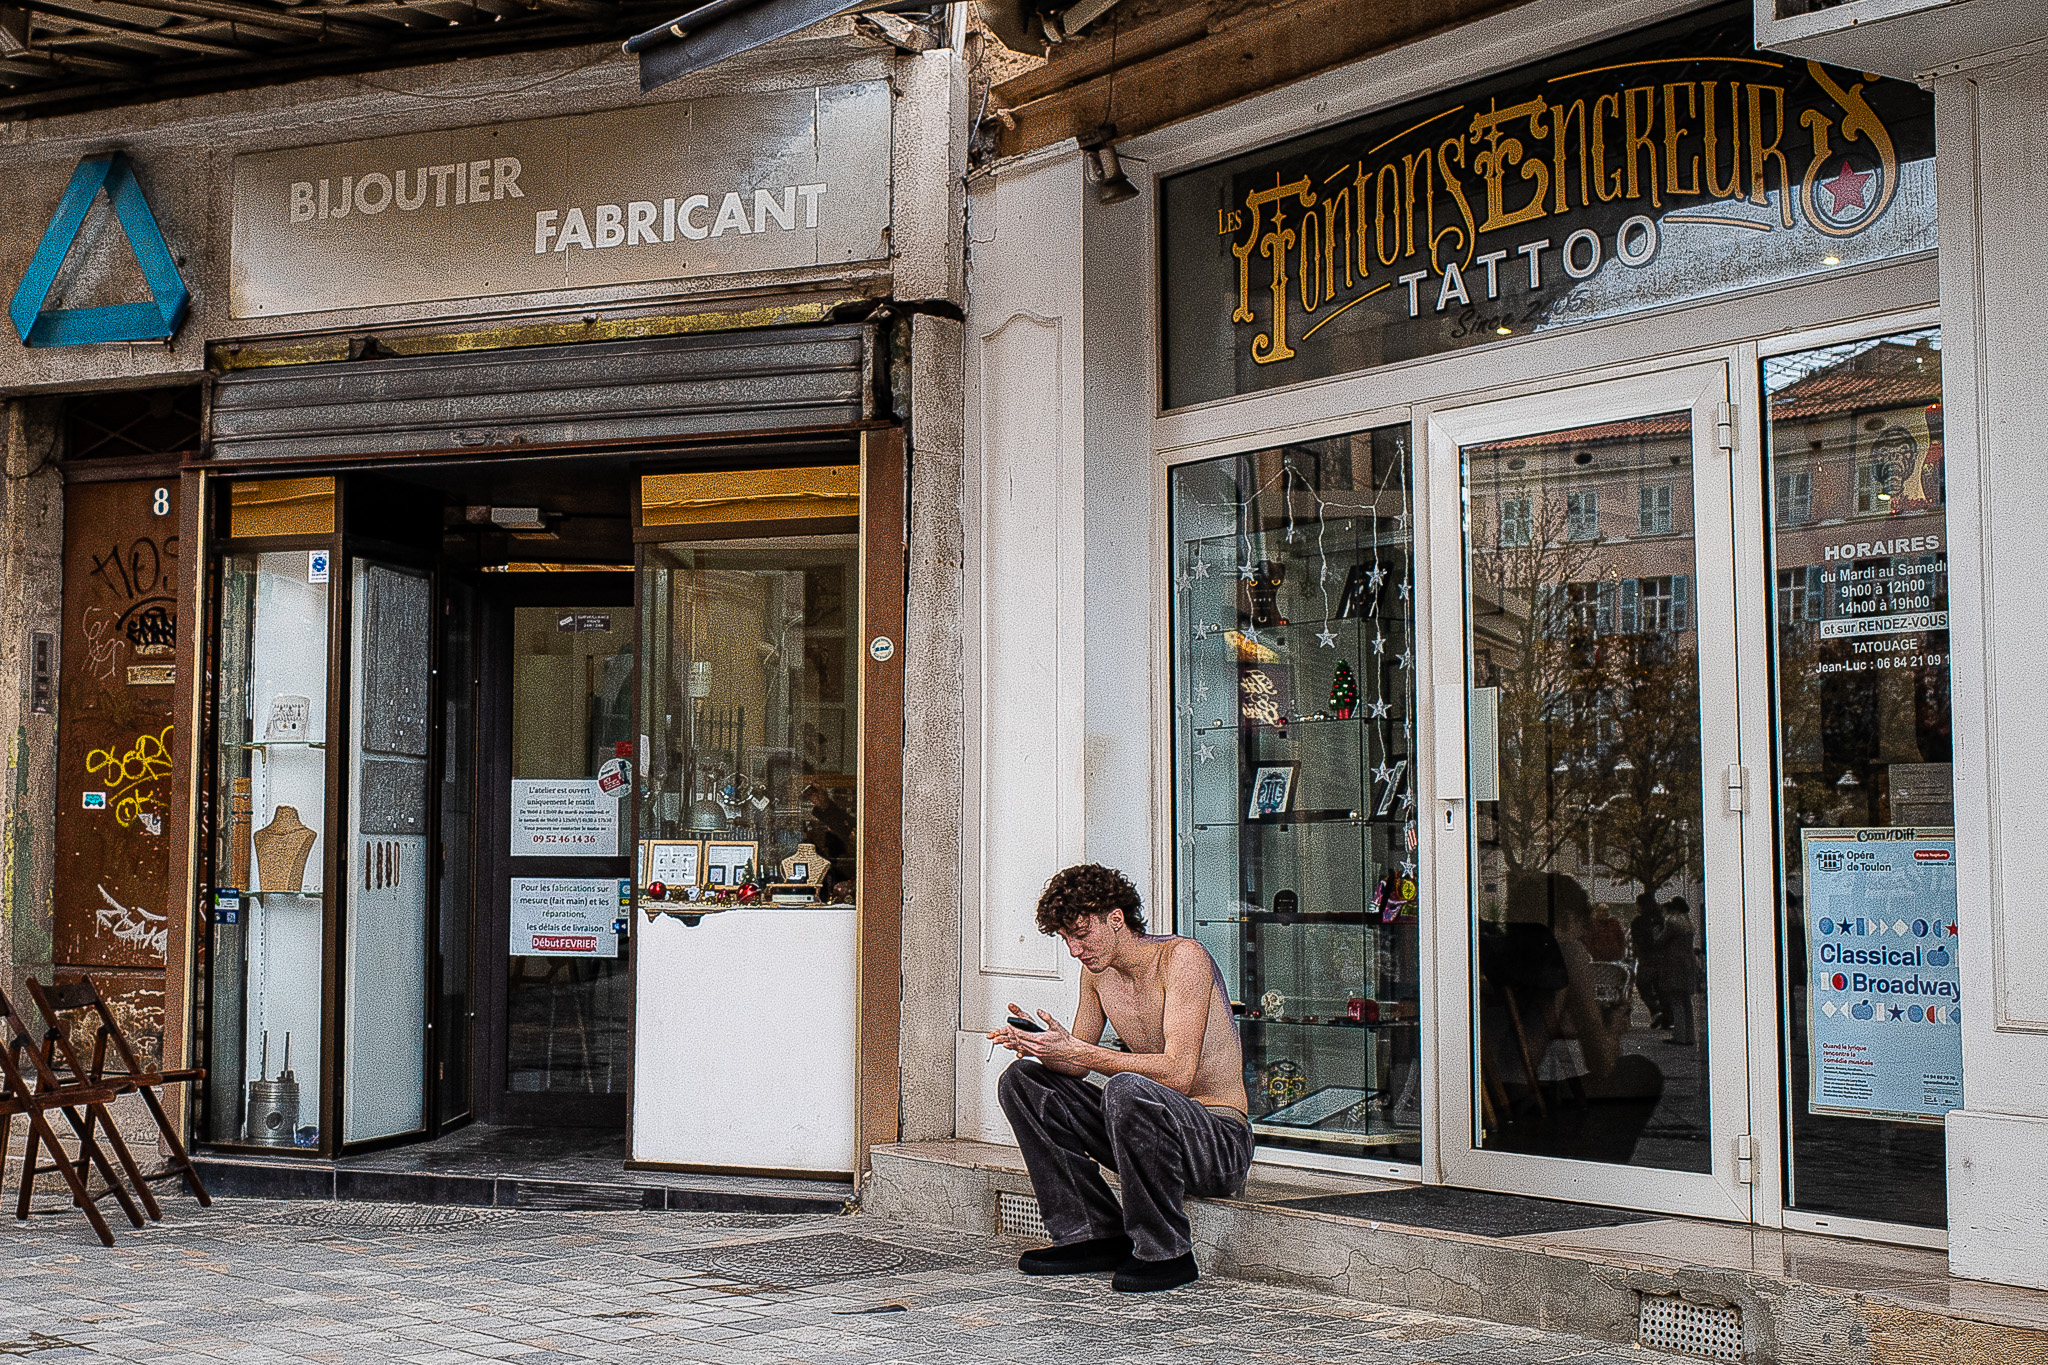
1599, 726
1648, 830
1521, 620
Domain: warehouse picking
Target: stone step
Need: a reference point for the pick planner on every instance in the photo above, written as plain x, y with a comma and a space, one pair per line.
1789, 1298
262, 1177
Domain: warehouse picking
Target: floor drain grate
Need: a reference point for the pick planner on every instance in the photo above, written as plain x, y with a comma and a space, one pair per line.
357, 1217
1017, 1215
1666, 1323
800, 1262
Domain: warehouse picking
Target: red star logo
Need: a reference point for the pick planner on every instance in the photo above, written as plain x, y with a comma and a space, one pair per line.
1847, 187
1952, 931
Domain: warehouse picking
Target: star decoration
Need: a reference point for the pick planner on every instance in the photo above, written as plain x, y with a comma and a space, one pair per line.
1199, 569
1379, 643
1847, 187
1404, 590
1408, 867
1204, 752
1382, 773
1407, 728
1401, 519
1407, 800
1251, 635
1897, 1013
1327, 639
1247, 573
1407, 658
1291, 534
1379, 710
1377, 576
1201, 691
1205, 630
1181, 582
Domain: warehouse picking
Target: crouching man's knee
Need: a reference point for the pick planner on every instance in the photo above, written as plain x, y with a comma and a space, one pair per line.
1020, 1078
1131, 1099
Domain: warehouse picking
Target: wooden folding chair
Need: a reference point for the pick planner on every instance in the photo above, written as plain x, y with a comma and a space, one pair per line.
20, 1059
129, 1076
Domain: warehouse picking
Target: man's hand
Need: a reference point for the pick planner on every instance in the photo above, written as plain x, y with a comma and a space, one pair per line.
1055, 1044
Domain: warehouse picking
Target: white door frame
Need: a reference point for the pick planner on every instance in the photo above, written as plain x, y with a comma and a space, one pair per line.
1724, 1192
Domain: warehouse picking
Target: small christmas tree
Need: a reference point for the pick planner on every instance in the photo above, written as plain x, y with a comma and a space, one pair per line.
1343, 692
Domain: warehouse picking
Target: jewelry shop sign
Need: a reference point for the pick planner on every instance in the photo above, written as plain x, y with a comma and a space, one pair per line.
771, 181
567, 916
1674, 165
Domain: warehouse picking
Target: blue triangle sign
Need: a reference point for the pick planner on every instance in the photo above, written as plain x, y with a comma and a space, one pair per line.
152, 321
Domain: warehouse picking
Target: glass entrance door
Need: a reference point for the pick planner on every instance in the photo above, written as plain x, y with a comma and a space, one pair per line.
557, 1036
1595, 842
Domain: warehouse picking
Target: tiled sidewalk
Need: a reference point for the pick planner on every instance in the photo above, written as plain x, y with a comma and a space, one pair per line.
255, 1281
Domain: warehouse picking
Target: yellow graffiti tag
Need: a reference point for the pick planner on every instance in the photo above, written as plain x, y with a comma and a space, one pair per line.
128, 774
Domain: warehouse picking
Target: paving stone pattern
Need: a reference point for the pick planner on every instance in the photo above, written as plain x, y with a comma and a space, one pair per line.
253, 1282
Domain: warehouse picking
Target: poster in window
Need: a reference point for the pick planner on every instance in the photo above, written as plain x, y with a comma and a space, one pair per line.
1884, 1030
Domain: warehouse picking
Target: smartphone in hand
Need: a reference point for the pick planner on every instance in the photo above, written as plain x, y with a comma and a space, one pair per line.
1023, 1025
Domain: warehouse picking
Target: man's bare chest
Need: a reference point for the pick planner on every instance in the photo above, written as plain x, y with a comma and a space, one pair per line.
1136, 1010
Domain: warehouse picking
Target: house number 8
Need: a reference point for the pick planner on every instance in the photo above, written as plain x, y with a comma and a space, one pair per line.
160, 502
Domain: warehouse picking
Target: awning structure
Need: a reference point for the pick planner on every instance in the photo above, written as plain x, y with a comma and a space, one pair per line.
58, 56
713, 31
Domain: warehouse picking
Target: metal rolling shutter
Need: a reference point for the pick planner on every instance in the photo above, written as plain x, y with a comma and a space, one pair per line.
644, 389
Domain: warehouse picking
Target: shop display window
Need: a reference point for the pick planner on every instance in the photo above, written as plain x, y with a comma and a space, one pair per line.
269, 940
1294, 782
1859, 536
750, 700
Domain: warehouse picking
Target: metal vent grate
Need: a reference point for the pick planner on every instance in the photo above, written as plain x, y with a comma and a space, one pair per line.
1017, 1216
1667, 1323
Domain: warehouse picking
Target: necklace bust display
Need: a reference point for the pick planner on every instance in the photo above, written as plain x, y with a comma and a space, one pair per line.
282, 847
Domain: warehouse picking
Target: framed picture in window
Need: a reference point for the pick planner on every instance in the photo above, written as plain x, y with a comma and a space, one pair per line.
672, 862
726, 863
1272, 791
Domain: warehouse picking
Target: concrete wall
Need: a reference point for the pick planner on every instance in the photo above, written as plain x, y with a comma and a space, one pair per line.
31, 543
1992, 122
1026, 647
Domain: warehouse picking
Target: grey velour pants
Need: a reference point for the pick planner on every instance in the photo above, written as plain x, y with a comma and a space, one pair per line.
1162, 1145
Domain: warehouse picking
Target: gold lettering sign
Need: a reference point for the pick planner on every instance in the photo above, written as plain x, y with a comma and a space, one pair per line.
1669, 166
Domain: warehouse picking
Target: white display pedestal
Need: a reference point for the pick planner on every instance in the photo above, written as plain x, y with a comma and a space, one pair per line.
744, 1049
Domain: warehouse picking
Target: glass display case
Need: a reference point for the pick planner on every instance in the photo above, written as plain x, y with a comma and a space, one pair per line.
750, 691
1294, 791
270, 921
321, 840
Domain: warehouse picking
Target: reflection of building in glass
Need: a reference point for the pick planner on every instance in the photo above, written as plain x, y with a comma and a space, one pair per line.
1585, 625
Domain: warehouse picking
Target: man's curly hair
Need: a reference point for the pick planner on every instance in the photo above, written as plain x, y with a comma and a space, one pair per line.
1088, 889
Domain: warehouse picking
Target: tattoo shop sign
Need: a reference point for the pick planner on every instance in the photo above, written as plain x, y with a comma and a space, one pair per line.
769, 181
1677, 164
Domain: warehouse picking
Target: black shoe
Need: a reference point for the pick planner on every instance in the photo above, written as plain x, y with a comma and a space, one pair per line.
1137, 1276
1077, 1258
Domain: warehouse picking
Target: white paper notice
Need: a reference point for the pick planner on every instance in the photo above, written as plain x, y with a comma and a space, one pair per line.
563, 818
566, 916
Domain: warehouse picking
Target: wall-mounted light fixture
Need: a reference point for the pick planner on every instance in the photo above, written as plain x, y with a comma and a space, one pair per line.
1105, 171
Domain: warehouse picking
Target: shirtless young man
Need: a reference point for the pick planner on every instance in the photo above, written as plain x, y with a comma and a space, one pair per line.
1171, 1121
